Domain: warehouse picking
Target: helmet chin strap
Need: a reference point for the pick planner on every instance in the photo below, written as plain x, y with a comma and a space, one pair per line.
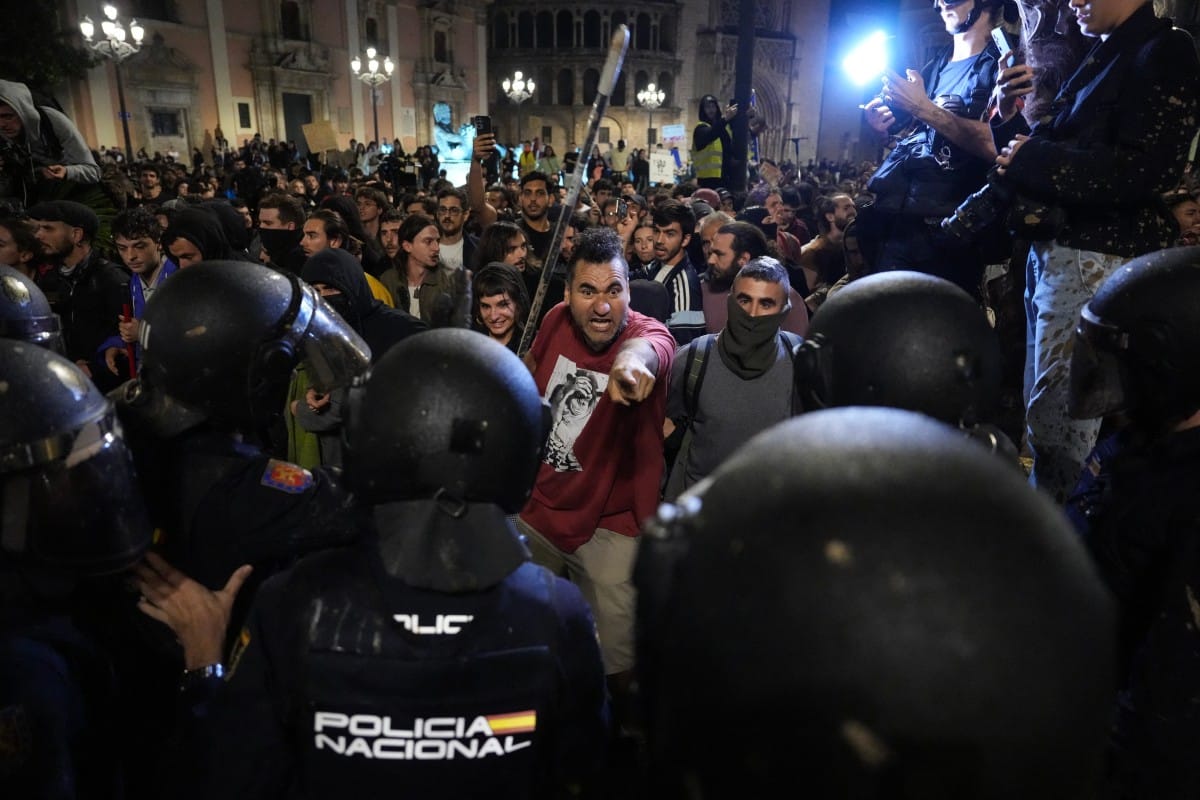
971, 19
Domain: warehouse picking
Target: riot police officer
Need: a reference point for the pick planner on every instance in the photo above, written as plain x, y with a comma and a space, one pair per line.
219, 343
905, 340
69, 508
1135, 352
25, 312
432, 659
927, 628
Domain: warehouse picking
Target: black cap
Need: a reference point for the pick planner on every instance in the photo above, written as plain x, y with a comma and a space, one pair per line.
77, 215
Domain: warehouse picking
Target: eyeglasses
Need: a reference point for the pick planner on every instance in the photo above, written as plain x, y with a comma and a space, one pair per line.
446, 211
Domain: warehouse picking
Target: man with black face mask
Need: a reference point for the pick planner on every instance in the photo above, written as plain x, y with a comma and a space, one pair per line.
723, 398
280, 229
340, 280
733, 246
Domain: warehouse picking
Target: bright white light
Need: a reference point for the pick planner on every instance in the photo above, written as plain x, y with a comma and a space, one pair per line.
356, 64
137, 30
110, 11
87, 27
868, 60
388, 66
370, 53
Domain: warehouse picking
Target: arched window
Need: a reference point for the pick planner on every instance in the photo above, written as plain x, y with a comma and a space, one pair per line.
566, 87
666, 33
441, 52
564, 25
290, 24
545, 30
591, 30
371, 29
666, 82
640, 79
642, 32
525, 29
618, 19
500, 30
545, 86
618, 93
591, 82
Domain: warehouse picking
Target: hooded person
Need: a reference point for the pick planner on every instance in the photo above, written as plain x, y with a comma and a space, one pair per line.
712, 142
314, 423
340, 279
38, 144
196, 235
232, 223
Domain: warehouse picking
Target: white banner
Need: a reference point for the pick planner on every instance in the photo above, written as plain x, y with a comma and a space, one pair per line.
662, 168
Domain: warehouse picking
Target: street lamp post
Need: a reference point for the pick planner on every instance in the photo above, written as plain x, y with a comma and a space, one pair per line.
651, 98
116, 46
518, 89
373, 77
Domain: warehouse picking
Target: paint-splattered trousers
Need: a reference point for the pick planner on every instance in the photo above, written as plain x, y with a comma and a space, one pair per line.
1059, 282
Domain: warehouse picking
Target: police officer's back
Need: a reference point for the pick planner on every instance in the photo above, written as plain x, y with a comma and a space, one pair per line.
928, 628
433, 659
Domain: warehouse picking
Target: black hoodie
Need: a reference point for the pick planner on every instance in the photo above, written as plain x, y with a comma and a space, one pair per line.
201, 227
379, 325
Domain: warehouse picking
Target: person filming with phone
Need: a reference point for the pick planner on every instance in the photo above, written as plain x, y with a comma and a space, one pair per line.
943, 148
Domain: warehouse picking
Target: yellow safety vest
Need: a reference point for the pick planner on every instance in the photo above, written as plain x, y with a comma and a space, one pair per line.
707, 161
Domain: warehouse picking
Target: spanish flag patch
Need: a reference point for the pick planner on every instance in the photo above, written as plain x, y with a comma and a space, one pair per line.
517, 722
286, 477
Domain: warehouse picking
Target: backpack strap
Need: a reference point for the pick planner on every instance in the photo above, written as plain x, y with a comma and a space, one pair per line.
791, 341
693, 373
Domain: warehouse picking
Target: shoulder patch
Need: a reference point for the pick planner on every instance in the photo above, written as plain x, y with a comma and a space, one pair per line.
286, 477
239, 650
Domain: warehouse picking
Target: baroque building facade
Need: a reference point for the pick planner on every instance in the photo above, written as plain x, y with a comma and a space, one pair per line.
686, 48
270, 67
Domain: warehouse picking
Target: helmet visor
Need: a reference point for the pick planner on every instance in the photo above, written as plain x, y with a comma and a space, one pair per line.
43, 331
82, 511
813, 373
1097, 387
333, 352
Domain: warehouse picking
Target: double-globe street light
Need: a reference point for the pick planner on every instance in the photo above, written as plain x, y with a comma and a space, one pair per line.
518, 90
117, 45
373, 77
651, 98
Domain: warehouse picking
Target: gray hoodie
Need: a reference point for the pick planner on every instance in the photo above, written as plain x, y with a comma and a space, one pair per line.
76, 156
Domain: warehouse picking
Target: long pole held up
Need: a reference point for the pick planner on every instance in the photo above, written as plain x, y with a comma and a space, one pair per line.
608, 82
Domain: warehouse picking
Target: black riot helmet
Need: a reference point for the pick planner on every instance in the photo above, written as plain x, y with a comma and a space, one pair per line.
25, 312
1138, 341
68, 493
929, 628
904, 340
445, 413
221, 339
